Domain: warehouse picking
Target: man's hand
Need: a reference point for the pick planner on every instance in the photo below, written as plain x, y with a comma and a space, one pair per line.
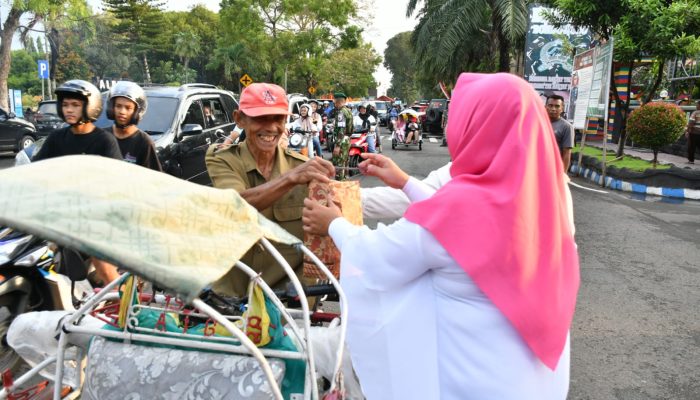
383, 168
317, 218
315, 169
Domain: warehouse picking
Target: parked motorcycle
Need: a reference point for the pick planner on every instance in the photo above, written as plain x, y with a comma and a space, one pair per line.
30, 280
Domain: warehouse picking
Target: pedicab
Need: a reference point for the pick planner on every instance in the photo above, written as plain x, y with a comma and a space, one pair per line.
182, 238
407, 131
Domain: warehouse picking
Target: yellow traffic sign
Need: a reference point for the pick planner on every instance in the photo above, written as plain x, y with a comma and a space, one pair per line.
312, 89
246, 80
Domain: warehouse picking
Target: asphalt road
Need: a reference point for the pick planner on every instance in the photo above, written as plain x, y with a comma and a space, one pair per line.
7, 159
636, 332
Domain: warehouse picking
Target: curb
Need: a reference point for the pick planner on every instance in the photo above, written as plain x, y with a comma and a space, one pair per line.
617, 184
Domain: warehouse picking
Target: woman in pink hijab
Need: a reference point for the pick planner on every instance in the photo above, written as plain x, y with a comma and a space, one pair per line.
470, 295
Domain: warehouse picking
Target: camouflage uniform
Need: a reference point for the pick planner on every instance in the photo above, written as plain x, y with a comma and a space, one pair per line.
343, 130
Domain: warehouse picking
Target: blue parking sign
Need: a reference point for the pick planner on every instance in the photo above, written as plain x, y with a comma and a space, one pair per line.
43, 69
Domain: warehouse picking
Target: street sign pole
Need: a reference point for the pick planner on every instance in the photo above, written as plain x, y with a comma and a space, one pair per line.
42, 90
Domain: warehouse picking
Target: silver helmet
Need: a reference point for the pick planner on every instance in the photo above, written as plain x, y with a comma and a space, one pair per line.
85, 91
131, 91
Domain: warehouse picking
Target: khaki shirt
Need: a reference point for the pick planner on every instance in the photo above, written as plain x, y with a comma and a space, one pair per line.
235, 168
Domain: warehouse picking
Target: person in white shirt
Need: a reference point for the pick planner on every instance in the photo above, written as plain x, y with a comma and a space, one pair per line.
470, 295
317, 120
306, 123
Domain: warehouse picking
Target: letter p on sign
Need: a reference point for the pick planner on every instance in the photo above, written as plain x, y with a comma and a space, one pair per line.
43, 69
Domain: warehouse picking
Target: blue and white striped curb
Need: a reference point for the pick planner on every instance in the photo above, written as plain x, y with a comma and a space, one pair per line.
613, 183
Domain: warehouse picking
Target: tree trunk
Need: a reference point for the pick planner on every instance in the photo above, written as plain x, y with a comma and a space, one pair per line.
8, 31
146, 70
653, 163
657, 82
624, 112
503, 53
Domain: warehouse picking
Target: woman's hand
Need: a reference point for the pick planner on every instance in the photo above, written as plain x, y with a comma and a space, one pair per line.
316, 217
383, 168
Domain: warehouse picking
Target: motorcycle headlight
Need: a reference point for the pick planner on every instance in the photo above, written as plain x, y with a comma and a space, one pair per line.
8, 248
295, 140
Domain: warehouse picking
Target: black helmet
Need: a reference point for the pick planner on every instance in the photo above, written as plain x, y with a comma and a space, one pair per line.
131, 91
85, 91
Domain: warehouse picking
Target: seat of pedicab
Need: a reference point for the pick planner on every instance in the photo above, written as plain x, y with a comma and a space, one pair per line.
117, 371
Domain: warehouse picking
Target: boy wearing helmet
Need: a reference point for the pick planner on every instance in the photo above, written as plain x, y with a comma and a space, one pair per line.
79, 105
126, 106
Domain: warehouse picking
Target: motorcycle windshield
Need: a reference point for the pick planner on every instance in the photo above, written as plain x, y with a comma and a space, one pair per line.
179, 235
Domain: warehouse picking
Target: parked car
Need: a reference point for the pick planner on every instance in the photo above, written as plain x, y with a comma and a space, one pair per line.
16, 134
382, 108
433, 120
46, 118
175, 121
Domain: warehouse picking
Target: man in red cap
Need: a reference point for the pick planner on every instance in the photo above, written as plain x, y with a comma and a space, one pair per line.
270, 178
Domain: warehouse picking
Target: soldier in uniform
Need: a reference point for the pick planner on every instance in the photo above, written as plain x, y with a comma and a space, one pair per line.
343, 130
270, 178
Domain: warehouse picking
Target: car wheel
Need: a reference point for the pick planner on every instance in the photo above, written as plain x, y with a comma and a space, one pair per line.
26, 141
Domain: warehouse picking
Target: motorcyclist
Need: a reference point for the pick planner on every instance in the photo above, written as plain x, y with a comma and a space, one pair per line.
79, 105
318, 121
366, 122
306, 123
126, 106
342, 130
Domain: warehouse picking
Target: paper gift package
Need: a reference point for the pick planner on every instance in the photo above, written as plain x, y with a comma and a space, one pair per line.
347, 193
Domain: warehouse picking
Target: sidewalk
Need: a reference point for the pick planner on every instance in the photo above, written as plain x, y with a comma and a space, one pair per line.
681, 181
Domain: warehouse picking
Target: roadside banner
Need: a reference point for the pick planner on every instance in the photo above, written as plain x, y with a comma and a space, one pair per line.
581, 80
548, 62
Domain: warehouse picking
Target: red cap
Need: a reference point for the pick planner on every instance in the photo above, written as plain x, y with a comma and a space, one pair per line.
263, 99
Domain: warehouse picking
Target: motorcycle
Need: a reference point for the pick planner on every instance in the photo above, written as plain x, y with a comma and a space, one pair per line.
31, 280
300, 141
329, 130
358, 145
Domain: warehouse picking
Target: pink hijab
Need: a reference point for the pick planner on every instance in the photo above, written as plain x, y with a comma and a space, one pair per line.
504, 215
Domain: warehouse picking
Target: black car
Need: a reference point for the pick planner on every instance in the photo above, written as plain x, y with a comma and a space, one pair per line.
175, 121
46, 118
433, 115
16, 134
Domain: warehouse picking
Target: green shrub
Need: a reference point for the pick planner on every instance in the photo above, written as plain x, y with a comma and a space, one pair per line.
655, 125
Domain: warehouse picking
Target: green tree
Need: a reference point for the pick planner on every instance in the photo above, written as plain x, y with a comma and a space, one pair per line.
102, 53
72, 66
655, 125
285, 36
400, 60
17, 10
457, 35
23, 75
140, 23
230, 60
350, 71
186, 47
640, 27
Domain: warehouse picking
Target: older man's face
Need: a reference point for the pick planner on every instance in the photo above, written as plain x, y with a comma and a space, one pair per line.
262, 133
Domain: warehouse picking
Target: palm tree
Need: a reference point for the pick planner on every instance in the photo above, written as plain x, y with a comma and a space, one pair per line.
186, 47
231, 58
453, 35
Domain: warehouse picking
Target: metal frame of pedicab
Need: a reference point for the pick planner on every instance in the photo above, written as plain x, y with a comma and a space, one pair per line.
183, 340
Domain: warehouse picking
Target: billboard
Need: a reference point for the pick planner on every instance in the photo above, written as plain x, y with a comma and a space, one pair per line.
548, 62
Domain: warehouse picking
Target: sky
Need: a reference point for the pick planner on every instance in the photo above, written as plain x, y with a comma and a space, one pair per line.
389, 19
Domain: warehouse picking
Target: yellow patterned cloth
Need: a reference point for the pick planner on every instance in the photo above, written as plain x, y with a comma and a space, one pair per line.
177, 234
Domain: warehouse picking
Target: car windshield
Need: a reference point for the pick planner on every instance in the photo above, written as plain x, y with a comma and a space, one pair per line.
380, 105
158, 118
48, 108
437, 104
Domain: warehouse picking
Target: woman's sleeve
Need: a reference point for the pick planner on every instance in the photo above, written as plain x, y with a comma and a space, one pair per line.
387, 257
417, 190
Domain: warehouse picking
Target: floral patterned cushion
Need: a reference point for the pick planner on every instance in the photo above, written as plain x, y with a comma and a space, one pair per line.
119, 371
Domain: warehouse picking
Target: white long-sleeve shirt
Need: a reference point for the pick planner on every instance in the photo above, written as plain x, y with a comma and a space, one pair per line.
420, 328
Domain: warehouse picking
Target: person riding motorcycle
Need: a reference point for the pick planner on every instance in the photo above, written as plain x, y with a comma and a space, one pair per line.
366, 122
342, 130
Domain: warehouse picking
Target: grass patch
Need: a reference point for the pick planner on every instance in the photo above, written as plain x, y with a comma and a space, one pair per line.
629, 162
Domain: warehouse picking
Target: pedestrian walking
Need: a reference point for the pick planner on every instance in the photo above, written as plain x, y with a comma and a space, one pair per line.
692, 133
